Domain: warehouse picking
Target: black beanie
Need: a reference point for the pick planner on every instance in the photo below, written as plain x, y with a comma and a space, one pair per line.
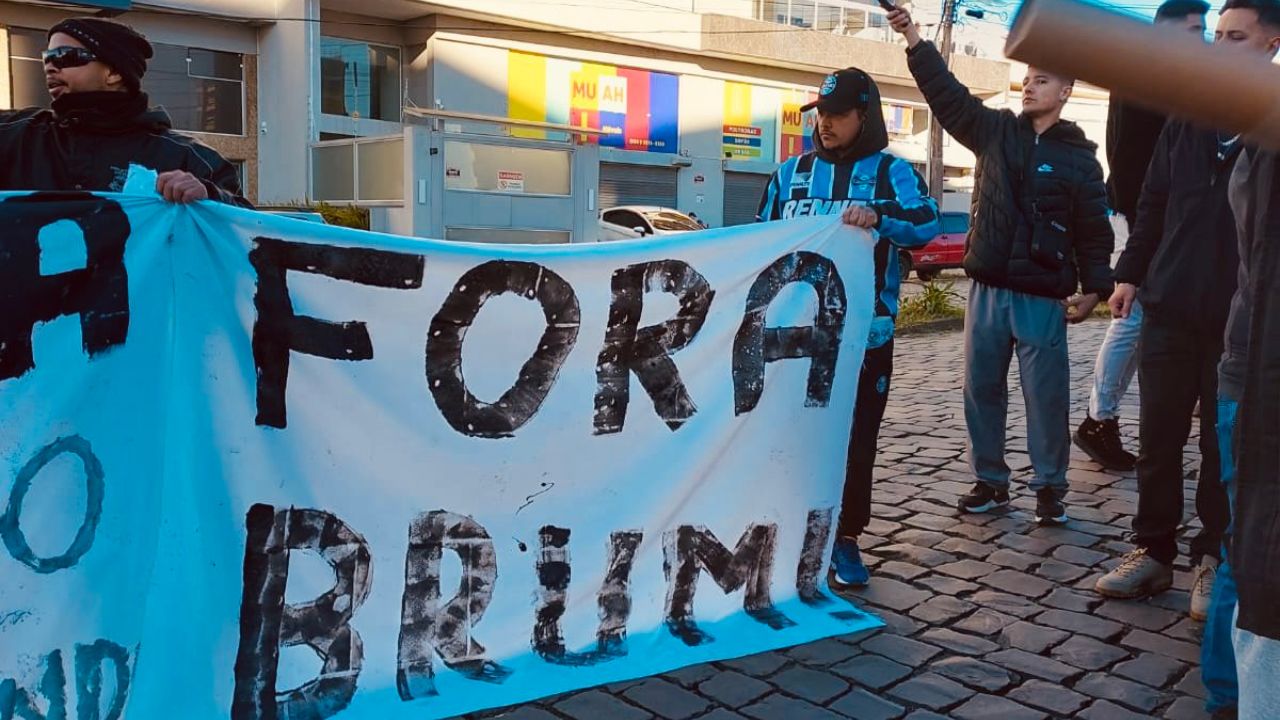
116, 45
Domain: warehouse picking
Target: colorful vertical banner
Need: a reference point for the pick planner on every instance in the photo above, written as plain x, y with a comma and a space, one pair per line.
636, 109
750, 121
797, 127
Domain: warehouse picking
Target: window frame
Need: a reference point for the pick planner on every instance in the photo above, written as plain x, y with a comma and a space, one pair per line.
244, 90
13, 101
569, 152
332, 117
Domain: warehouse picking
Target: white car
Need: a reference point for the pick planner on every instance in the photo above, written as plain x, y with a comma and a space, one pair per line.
636, 221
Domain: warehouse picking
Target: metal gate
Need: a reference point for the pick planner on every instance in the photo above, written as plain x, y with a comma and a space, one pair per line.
622, 184
742, 193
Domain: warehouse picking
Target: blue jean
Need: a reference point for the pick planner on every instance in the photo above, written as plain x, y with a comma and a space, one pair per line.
1259, 666
1217, 655
1116, 365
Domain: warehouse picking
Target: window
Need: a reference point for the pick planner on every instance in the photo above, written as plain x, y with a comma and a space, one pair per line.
672, 222
26, 69
498, 168
626, 219
899, 119
359, 80
202, 90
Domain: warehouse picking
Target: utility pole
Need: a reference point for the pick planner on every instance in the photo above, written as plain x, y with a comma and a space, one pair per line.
935, 129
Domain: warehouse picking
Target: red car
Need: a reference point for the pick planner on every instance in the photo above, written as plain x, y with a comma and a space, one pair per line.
942, 253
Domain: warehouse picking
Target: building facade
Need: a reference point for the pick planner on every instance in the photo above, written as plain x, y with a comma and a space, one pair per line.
463, 118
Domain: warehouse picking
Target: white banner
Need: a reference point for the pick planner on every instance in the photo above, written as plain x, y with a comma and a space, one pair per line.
254, 467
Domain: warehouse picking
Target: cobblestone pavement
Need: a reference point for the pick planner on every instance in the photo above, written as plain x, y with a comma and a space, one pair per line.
988, 616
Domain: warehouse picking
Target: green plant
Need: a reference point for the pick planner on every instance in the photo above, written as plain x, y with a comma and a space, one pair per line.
349, 216
934, 302
344, 215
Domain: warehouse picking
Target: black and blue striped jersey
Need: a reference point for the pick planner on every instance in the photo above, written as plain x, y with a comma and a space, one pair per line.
808, 185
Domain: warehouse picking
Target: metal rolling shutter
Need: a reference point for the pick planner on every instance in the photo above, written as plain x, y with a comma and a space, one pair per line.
637, 185
742, 193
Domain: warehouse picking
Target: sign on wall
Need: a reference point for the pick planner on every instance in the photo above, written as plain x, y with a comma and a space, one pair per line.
636, 109
750, 122
259, 468
797, 127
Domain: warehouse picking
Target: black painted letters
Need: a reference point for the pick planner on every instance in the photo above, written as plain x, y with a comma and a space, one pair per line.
425, 626
99, 292
278, 331
614, 598
463, 411
647, 351
324, 625
687, 550
757, 345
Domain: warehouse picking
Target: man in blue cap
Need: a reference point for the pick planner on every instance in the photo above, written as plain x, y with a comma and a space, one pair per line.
849, 173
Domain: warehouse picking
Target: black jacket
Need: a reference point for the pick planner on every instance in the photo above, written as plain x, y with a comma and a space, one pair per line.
1018, 172
1235, 340
1255, 549
1182, 252
88, 140
1132, 132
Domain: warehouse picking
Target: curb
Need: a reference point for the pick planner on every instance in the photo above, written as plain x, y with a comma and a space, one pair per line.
933, 326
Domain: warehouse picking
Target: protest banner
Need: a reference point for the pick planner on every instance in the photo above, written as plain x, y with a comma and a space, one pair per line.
257, 468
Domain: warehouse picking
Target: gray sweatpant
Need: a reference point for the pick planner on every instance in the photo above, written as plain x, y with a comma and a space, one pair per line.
997, 323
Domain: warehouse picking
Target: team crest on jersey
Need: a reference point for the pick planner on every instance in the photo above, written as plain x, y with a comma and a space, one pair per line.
828, 85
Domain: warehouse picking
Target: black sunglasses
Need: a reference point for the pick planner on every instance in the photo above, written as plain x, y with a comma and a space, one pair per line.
67, 57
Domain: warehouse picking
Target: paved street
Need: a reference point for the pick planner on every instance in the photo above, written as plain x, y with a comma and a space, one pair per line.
988, 616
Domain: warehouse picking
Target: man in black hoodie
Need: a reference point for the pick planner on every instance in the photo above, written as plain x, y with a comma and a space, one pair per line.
100, 124
1132, 131
1183, 254
849, 173
1040, 231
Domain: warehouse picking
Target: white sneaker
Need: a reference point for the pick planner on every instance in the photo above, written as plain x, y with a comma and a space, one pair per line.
1202, 588
1139, 575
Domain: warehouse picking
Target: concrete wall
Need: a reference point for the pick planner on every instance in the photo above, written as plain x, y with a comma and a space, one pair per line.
728, 36
289, 84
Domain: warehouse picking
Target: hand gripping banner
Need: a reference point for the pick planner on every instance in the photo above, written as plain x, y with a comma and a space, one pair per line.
258, 468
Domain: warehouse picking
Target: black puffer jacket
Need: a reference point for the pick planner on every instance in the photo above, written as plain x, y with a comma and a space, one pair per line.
1183, 252
1132, 132
88, 140
1018, 172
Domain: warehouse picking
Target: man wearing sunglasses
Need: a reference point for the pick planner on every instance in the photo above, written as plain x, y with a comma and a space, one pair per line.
100, 124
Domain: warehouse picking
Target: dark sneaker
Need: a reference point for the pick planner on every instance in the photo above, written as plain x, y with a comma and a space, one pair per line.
1100, 440
846, 564
984, 498
1049, 509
